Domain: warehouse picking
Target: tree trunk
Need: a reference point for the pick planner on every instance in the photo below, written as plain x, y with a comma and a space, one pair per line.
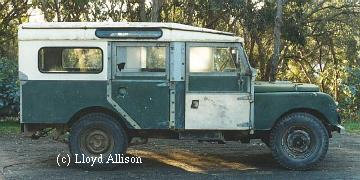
142, 11
336, 73
251, 53
189, 12
277, 40
57, 9
155, 11
261, 57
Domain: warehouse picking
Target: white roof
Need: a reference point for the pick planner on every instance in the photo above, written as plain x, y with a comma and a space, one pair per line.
86, 31
94, 25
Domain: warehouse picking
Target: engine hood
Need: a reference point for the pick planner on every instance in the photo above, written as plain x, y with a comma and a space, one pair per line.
284, 86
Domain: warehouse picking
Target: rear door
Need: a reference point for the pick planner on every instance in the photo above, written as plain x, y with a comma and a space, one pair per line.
140, 81
217, 93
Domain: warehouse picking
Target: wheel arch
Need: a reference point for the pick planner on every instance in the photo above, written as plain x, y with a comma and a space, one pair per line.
313, 112
97, 109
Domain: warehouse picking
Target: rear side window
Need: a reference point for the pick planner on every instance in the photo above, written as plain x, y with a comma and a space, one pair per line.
72, 60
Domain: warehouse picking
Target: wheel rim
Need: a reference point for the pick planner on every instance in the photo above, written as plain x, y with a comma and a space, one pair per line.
299, 142
96, 141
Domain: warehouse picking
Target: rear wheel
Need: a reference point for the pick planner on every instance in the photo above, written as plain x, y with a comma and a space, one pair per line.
97, 135
299, 141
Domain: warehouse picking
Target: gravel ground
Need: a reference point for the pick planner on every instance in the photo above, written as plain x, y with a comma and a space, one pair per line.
23, 158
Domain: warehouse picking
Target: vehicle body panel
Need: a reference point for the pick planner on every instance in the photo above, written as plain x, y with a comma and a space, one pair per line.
217, 110
57, 101
269, 107
144, 101
265, 87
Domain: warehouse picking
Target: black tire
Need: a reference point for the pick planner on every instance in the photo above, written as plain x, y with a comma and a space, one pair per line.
299, 141
95, 134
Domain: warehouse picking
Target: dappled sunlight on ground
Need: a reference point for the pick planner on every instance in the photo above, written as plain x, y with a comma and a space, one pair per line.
190, 161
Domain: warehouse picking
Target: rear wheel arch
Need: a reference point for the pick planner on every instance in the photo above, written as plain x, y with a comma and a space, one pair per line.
97, 109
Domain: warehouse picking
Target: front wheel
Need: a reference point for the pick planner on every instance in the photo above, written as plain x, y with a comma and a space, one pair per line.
299, 141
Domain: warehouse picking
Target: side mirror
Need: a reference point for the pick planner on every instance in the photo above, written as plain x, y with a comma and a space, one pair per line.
121, 66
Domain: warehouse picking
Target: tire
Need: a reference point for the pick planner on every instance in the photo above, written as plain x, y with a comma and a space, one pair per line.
299, 141
97, 134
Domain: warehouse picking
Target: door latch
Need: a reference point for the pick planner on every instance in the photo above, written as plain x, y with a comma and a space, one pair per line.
122, 92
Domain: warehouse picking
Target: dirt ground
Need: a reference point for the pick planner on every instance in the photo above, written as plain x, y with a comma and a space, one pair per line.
22, 158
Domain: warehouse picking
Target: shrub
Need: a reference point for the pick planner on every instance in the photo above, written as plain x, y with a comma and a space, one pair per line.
350, 103
9, 87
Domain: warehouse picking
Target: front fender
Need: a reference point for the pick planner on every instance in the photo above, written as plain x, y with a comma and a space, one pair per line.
269, 107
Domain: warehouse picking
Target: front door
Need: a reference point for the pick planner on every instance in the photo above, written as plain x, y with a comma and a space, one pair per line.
217, 91
139, 82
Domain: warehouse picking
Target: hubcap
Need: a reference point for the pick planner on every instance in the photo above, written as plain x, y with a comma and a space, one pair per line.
298, 142
96, 142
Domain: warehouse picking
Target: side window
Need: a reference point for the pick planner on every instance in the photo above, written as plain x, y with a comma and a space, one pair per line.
213, 59
142, 58
73, 60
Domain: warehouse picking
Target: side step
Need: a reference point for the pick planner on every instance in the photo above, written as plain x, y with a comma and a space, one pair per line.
203, 136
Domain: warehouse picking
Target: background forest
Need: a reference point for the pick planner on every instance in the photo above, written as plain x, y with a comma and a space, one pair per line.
296, 40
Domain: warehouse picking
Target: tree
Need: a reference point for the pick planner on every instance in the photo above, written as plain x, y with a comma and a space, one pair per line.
12, 13
277, 40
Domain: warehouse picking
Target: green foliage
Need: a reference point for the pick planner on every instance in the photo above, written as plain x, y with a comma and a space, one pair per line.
350, 104
9, 126
352, 126
9, 84
12, 13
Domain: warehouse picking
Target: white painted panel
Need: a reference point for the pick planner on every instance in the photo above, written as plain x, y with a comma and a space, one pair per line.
86, 31
222, 111
92, 25
28, 60
177, 61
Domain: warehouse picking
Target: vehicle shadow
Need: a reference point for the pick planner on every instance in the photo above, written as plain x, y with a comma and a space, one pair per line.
194, 157
206, 162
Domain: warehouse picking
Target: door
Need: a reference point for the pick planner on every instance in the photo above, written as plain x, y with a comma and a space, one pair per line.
217, 91
139, 82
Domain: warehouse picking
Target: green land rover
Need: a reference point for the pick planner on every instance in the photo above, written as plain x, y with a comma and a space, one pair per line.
111, 85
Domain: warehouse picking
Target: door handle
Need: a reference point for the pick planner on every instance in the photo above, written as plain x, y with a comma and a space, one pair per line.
195, 104
121, 66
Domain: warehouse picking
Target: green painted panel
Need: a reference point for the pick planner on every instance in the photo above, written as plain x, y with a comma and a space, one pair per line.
270, 106
147, 102
180, 105
151, 78
265, 87
213, 83
58, 101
